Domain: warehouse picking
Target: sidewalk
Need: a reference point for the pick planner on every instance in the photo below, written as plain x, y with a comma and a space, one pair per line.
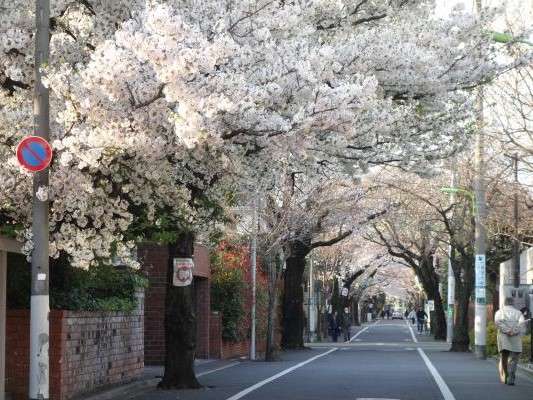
149, 379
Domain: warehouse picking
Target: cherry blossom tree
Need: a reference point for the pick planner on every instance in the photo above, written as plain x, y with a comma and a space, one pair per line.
152, 102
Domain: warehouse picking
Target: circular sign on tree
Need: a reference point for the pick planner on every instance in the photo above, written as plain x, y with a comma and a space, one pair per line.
183, 271
34, 153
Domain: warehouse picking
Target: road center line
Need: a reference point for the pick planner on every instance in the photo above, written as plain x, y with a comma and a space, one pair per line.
412, 333
361, 331
217, 369
444, 389
243, 393
357, 334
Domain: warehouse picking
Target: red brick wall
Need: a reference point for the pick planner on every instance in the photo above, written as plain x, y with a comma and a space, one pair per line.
87, 350
154, 259
222, 349
215, 335
202, 294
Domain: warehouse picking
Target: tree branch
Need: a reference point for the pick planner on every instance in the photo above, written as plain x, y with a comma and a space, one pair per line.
331, 242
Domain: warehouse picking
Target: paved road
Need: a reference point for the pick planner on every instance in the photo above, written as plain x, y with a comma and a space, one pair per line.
385, 360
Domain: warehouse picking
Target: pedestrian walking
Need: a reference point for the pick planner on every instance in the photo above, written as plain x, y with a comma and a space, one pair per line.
406, 313
334, 326
420, 319
412, 316
511, 326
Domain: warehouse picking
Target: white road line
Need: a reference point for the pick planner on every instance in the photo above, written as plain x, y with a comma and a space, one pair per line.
357, 334
243, 393
361, 331
217, 369
444, 389
412, 333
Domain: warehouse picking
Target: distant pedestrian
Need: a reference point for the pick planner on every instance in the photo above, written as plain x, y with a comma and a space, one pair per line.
346, 324
412, 316
420, 319
511, 326
334, 326
406, 313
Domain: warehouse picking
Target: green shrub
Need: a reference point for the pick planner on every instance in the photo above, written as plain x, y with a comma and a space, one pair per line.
100, 288
227, 288
526, 348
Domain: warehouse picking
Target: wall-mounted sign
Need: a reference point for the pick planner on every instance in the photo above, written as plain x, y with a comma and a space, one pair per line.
183, 271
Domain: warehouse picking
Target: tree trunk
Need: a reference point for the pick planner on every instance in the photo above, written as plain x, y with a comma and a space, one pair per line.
293, 313
180, 324
270, 354
461, 339
440, 318
355, 312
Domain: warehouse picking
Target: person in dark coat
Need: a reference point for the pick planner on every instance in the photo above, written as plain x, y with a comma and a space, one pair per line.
421, 317
334, 326
346, 324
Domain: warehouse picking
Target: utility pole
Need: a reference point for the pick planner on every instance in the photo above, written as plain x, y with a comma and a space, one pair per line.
310, 308
516, 242
254, 269
480, 329
451, 277
40, 306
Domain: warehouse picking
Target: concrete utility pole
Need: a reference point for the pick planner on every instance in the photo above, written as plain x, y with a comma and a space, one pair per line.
516, 242
310, 305
40, 306
480, 329
451, 278
253, 263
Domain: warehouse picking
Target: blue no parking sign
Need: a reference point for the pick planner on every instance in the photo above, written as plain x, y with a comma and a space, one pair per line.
34, 153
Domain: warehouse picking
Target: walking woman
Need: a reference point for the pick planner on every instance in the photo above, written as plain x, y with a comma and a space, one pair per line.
511, 327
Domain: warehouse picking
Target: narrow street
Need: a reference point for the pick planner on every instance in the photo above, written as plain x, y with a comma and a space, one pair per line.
383, 360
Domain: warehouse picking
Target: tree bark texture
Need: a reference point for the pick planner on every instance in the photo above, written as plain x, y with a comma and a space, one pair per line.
464, 284
430, 282
180, 324
293, 295
270, 353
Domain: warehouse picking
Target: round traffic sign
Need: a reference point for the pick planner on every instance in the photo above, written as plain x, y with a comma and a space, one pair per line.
34, 153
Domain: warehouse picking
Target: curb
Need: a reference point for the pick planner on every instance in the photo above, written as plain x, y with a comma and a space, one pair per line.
135, 387
526, 369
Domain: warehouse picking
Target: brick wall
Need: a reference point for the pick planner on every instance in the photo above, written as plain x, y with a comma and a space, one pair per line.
223, 349
215, 335
87, 350
202, 299
154, 259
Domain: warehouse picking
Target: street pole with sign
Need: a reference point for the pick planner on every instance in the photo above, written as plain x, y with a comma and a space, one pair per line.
40, 305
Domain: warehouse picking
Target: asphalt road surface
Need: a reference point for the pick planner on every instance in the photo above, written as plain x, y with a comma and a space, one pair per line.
383, 360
